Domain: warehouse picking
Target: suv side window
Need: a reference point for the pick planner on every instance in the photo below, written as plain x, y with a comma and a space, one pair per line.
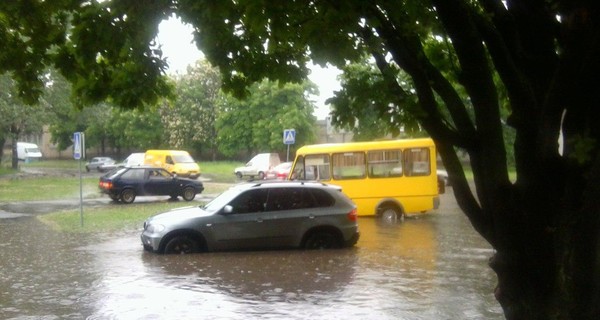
250, 201
322, 198
290, 199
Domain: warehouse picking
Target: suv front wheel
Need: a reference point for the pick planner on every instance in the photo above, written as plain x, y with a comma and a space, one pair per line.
181, 245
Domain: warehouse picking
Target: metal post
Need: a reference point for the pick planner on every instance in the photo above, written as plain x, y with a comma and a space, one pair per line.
80, 195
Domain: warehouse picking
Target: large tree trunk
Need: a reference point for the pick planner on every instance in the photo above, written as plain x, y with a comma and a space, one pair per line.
544, 227
15, 155
2, 141
548, 263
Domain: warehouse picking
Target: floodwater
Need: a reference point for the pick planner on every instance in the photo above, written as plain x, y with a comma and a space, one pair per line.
430, 267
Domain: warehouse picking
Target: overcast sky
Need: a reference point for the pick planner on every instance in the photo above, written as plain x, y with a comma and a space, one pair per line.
176, 40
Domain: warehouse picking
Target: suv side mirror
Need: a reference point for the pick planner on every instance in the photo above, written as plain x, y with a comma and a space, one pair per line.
227, 209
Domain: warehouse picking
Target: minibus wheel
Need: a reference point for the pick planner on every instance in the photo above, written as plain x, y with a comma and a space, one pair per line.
391, 215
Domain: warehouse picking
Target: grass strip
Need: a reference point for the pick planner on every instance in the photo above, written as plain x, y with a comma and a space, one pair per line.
107, 218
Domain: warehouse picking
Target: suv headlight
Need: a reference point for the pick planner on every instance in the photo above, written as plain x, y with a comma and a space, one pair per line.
155, 228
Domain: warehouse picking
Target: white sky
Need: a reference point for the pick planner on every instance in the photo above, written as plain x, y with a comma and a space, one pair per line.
177, 45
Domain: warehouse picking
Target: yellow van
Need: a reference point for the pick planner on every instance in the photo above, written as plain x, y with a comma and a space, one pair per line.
175, 161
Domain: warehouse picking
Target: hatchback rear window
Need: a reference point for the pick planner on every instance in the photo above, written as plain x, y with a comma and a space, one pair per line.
135, 174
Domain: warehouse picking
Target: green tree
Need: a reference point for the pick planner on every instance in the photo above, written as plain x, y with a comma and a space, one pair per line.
190, 119
97, 130
544, 227
64, 118
367, 107
106, 49
256, 124
135, 129
17, 118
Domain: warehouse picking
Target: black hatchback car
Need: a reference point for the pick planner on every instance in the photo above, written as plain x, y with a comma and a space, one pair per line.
126, 183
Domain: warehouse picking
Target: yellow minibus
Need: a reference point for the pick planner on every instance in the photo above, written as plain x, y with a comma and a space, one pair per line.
388, 179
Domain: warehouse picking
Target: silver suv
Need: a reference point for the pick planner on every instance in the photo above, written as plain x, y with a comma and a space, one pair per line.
296, 214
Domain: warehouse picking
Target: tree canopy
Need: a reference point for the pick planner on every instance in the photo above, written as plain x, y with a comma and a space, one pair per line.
460, 59
256, 124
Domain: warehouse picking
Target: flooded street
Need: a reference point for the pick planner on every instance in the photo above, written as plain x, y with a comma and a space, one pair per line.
430, 267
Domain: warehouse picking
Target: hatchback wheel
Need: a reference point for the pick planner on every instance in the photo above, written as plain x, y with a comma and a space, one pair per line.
114, 197
188, 194
128, 196
181, 245
238, 175
322, 240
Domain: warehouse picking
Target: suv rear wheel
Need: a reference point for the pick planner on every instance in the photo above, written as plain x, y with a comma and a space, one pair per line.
322, 240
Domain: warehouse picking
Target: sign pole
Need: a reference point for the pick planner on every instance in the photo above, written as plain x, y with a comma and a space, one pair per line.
78, 153
80, 195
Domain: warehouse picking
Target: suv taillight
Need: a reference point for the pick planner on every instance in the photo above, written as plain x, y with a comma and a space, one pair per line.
352, 215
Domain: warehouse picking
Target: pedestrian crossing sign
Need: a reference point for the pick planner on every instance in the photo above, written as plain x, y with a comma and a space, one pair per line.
289, 136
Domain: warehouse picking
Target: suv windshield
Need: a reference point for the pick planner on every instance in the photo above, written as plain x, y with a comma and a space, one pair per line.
221, 200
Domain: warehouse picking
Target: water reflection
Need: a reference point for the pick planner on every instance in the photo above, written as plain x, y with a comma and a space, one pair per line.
431, 267
266, 276
40, 272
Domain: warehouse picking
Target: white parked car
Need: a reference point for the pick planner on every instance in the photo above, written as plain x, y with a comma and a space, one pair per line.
96, 162
258, 166
134, 159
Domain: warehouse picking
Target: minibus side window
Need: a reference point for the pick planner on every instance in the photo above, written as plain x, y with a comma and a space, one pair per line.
417, 162
349, 165
316, 167
385, 163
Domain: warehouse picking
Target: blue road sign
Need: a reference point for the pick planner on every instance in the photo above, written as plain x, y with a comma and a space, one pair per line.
289, 136
77, 145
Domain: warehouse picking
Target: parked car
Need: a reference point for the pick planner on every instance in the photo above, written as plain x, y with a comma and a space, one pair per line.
96, 162
258, 166
28, 152
443, 181
266, 214
126, 183
134, 159
279, 172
